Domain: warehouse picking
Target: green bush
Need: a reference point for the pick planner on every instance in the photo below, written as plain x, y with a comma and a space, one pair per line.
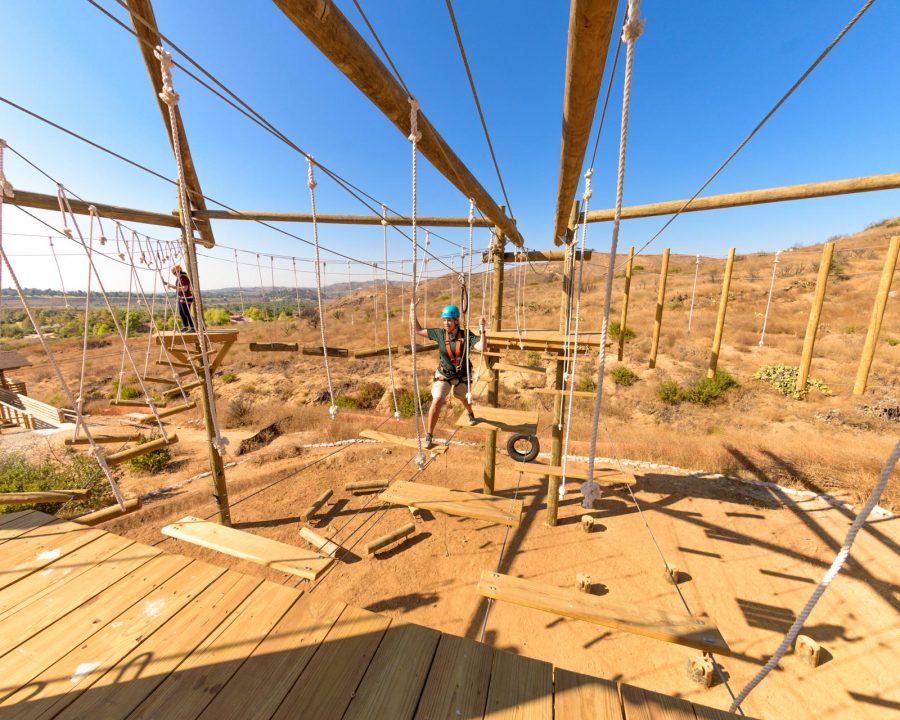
19, 474
153, 462
130, 393
893, 342
704, 391
669, 392
586, 384
406, 401
228, 378
217, 316
784, 379
623, 375
534, 359
615, 330
346, 402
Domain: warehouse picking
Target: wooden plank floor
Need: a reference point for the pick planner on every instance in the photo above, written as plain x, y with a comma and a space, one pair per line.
96, 625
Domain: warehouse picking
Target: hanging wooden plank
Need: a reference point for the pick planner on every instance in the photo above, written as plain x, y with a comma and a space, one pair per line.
390, 538
274, 347
603, 474
149, 418
398, 440
681, 629
316, 504
320, 351
490, 508
365, 486
172, 392
104, 439
564, 393
138, 450
490, 418
269, 553
43, 496
376, 351
321, 545
136, 403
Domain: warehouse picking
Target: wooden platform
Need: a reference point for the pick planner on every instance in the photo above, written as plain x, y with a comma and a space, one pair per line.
551, 341
603, 475
503, 511
96, 626
489, 418
184, 347
403, 441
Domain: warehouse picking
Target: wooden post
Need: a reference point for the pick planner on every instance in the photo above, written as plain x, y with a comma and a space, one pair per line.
812, 326
629, 268
660, 300
490, 442
884, 289
720, 320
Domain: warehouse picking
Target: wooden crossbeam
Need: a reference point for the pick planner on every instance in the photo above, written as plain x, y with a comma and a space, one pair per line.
336, 219
603, 475
159, 380
490, 418
274, 347
108, 513
138, 450
398, 440
678, 628
42, 496
503, 511
237, 543
513, 367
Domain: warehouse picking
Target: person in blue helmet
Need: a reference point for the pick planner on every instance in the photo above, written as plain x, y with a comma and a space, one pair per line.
454, 365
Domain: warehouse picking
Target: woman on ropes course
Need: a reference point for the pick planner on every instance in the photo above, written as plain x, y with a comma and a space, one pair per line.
185, 298
454, 366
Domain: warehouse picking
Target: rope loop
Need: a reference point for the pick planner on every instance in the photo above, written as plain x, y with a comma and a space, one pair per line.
414, 134
168, 94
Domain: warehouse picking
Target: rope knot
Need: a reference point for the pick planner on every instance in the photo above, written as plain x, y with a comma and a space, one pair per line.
588, 189
310, 175
471, 211
333, 411
420, 460
68, 233
414, 134
168, 94
633, 28
591, 492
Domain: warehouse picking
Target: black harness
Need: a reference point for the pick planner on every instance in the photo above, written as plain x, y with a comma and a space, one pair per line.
457, 356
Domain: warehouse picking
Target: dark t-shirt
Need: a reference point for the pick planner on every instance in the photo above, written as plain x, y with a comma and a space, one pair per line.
445, 366
184, 288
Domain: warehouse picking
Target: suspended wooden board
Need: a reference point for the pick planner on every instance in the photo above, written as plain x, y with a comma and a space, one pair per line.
319, 350
566, 393
82, 440
270, 553
512, 367
503, 511
398, 440
135, 403
603, 474
42, 496
376, 351
149, 419
172, 392
214, 335
274, 347
547, 340
138, 450
678, 628
420, 347
490, 418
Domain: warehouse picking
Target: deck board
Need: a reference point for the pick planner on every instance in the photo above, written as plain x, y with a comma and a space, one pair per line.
640, 704
457, 685
490, 508
521, 689
584, 696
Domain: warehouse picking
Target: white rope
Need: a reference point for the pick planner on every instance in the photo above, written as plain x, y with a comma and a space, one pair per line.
59, 272
349, 291
237, 267
387, 313
630, 33
414, 137
468, 291
311, 184
84, 344
762, 336
296, 285
835, 568
170, 98
265, 301
425, 278
693, 295
375, 300
127, 316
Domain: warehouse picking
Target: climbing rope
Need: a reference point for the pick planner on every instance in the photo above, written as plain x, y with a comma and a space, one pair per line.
466, 331
387, 313
84, 345
131, 274
311, 183
762, 336
631, 31
693, 295
414, 137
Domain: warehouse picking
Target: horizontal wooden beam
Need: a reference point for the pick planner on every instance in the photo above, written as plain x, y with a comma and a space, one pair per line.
109, 513
537, 256
38, 201
338, 219
42, 496
869, 183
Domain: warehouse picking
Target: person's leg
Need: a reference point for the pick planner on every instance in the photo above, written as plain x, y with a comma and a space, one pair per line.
439, 392
184, 315
190, 317
460, 393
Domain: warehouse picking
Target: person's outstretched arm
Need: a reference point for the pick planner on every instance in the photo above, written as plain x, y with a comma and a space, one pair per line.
420, 331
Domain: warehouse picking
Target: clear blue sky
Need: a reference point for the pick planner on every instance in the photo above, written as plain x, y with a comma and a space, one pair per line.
705, 73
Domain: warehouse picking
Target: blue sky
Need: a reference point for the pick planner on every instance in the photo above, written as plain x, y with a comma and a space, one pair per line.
704, 74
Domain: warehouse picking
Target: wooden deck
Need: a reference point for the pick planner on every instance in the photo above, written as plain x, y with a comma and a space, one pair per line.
96, 625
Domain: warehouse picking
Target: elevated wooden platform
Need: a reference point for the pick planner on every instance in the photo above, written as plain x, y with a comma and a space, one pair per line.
503, 511
95, 625
603, 474
184, 347
550, 341
489, 418
398, 440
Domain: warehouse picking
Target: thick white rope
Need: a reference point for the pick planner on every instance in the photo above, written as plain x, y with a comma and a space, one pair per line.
170, 98
835, 568
311, 183
630, 33
425, 278
296, 285
152, 309
387, 313
84, 345
131, 273
693, 295
414, 137
237, 267
262, 286
468, 290
762, 336
375, 301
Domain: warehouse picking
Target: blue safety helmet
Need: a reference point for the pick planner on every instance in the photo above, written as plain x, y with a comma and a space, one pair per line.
451, 311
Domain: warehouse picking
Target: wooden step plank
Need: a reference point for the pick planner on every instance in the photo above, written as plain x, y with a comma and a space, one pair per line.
540, 339
150, 419
490, 508
490, 418
327, 685
584, 696
398, 440
186, 692
566, 393
105, 439
603, 475
376, 351
144, 629
42, 496
32, 657
521, 688
276, 662
136, 403
159, 380
274, 347
175, 391
138, 450
512, 367
320, 351
678, 628
640, 704
270, 553
108, 513
393, 683
457, 683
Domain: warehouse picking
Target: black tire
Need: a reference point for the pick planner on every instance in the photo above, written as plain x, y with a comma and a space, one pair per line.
513, 451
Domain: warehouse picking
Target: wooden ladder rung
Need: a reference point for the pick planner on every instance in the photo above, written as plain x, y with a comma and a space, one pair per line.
144, 419
101, 439
138, 450
135, 403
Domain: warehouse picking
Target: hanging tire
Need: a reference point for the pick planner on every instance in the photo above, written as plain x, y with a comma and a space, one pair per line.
514, 447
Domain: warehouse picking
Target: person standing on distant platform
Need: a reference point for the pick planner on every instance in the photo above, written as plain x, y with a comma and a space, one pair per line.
454, 366
185, 295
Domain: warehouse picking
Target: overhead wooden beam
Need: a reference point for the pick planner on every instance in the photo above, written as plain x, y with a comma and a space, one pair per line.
868, 183
144, 21
538, 256
330, 31
334, 219
590, 29
23, 198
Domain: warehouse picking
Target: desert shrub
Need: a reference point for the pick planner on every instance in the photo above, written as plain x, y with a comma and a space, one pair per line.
338, 314
346, 402
534, 359
240, 411
152, 462
892, 341
19, 474
130, 393
586, 384
406, 401
228, 378
669, 392
623, 375
254, 313
369, 395
217, 316
704, 391
784, 379
615, 330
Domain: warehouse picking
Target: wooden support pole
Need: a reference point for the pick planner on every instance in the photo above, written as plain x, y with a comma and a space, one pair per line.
815, 312
881, 298
110, 513
720, 319
754, 197
532, 256
590, 29
339, 219
629, 269
38, 201
330, 31
490, 442
660, 303
385, 540
42, 496
316, 504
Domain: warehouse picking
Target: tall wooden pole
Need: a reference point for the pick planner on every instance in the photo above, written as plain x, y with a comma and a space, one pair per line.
720, 319
498, 245
559, 400
884, 289
660, 301
815, 312
629, 267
